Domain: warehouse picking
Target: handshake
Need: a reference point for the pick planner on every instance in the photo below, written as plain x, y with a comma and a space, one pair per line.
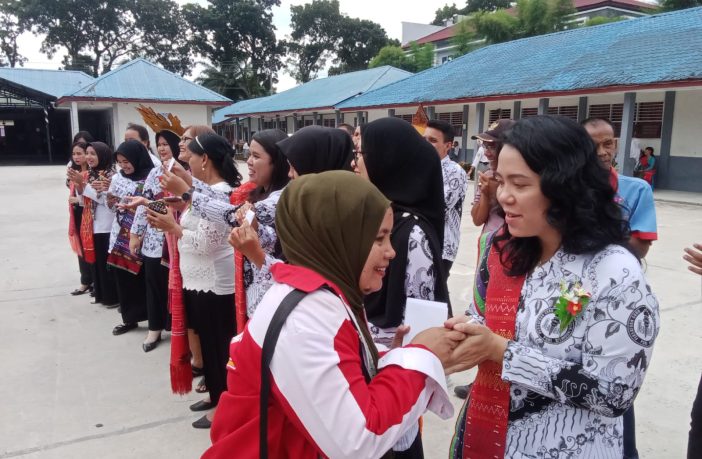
460, 344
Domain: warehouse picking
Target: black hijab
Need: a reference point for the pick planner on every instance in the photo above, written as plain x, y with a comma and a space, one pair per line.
407, 170
137, 154
315, 149
173, 141
104, 154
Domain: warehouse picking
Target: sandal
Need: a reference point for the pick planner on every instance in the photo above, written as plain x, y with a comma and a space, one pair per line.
201, 387
198, 371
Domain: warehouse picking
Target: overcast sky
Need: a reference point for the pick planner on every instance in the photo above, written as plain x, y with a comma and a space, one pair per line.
388, 13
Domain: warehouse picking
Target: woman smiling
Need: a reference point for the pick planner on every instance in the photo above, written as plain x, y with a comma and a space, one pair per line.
563, 320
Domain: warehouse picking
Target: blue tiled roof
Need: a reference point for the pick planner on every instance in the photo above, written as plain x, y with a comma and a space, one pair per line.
652, 49
320, 93
142, 80
55, 83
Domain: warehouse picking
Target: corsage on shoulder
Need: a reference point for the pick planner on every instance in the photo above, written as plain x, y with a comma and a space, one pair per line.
571, 303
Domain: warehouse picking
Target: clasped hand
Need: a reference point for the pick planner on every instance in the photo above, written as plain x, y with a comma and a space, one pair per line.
480, 344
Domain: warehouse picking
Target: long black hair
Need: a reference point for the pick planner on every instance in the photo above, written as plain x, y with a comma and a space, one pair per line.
582, 206
83, 146
220, 153
268, 139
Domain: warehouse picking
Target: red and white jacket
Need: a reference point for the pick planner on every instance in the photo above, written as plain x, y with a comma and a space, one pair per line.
321, 404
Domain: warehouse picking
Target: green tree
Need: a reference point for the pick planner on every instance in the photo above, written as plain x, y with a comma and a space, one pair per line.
104, 32
464, 38
599, 20
497, 27
533, 17
392, 55
315, 35
422, 55
474, 6
673, 5
238, 32
444, 13
321, 34
10, 30
232, 81
360, 41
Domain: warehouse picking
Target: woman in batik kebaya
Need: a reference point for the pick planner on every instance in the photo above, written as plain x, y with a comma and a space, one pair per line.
563, 321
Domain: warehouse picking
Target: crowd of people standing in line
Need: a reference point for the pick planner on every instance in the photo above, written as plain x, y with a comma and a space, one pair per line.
289, 291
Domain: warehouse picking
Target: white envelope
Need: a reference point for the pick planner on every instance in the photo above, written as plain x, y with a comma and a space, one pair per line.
423, 314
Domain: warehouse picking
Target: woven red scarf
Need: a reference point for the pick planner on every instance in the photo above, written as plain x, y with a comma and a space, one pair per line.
486, 421
86, 231
73, 233
238, 197
181, 370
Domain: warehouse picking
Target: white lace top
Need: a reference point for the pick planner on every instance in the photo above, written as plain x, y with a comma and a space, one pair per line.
206, 258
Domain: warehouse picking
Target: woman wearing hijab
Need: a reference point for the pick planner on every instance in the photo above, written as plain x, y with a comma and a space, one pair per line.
331, 395
149, 242
135, 164
315, 149
97, 219
407, 170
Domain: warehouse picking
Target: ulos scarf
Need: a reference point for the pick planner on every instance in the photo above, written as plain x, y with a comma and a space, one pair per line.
73, 226
237, 198
327, 223
487, 418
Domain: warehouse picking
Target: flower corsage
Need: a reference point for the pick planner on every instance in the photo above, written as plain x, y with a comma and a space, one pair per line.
571, 303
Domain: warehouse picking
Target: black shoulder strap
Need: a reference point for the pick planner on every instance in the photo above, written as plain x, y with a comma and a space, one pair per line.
279, 317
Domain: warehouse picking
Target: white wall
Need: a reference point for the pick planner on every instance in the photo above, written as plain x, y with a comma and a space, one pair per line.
127, 113
687, 122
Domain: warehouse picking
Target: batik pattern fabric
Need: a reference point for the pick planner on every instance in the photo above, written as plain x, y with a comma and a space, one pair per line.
569, 388
153, 239
119, 254
420, 278
455, 186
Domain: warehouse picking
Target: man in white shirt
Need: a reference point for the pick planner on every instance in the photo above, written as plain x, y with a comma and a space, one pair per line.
440, 135
480, 162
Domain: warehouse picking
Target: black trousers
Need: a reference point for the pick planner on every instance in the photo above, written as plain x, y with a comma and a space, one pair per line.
215, 324
416, 451
629, 421
132, 295
156, 277
103, 276
694, 443
448, 264
86, 270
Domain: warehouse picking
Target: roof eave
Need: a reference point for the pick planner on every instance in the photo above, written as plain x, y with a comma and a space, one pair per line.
536, 95
286, 112
65, 99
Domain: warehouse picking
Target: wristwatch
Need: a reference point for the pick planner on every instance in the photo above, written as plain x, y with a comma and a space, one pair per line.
188, 195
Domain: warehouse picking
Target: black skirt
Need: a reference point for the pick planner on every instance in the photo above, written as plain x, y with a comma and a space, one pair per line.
103, 275
215, 323
132, 295
156, 277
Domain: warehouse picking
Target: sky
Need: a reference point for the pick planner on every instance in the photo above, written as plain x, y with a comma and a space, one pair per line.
388, 13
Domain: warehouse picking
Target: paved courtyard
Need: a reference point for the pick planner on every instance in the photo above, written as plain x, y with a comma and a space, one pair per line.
72, 390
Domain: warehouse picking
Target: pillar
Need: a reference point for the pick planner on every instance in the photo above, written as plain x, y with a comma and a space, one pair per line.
543, 106
663, 160
626, 164
582, 109
517, 110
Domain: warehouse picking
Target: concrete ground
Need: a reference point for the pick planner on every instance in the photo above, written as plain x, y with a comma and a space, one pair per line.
72, 390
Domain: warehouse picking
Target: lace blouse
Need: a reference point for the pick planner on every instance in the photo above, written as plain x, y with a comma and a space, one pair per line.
206, 258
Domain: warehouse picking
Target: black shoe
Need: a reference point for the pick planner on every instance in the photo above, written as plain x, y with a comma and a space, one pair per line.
202, 423
462, 391
111, 306
121, 329
80, 291
148, 347
201, 406
92, 292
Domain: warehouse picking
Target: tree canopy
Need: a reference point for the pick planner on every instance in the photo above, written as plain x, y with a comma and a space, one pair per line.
321, 34
420, 57
10, 30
